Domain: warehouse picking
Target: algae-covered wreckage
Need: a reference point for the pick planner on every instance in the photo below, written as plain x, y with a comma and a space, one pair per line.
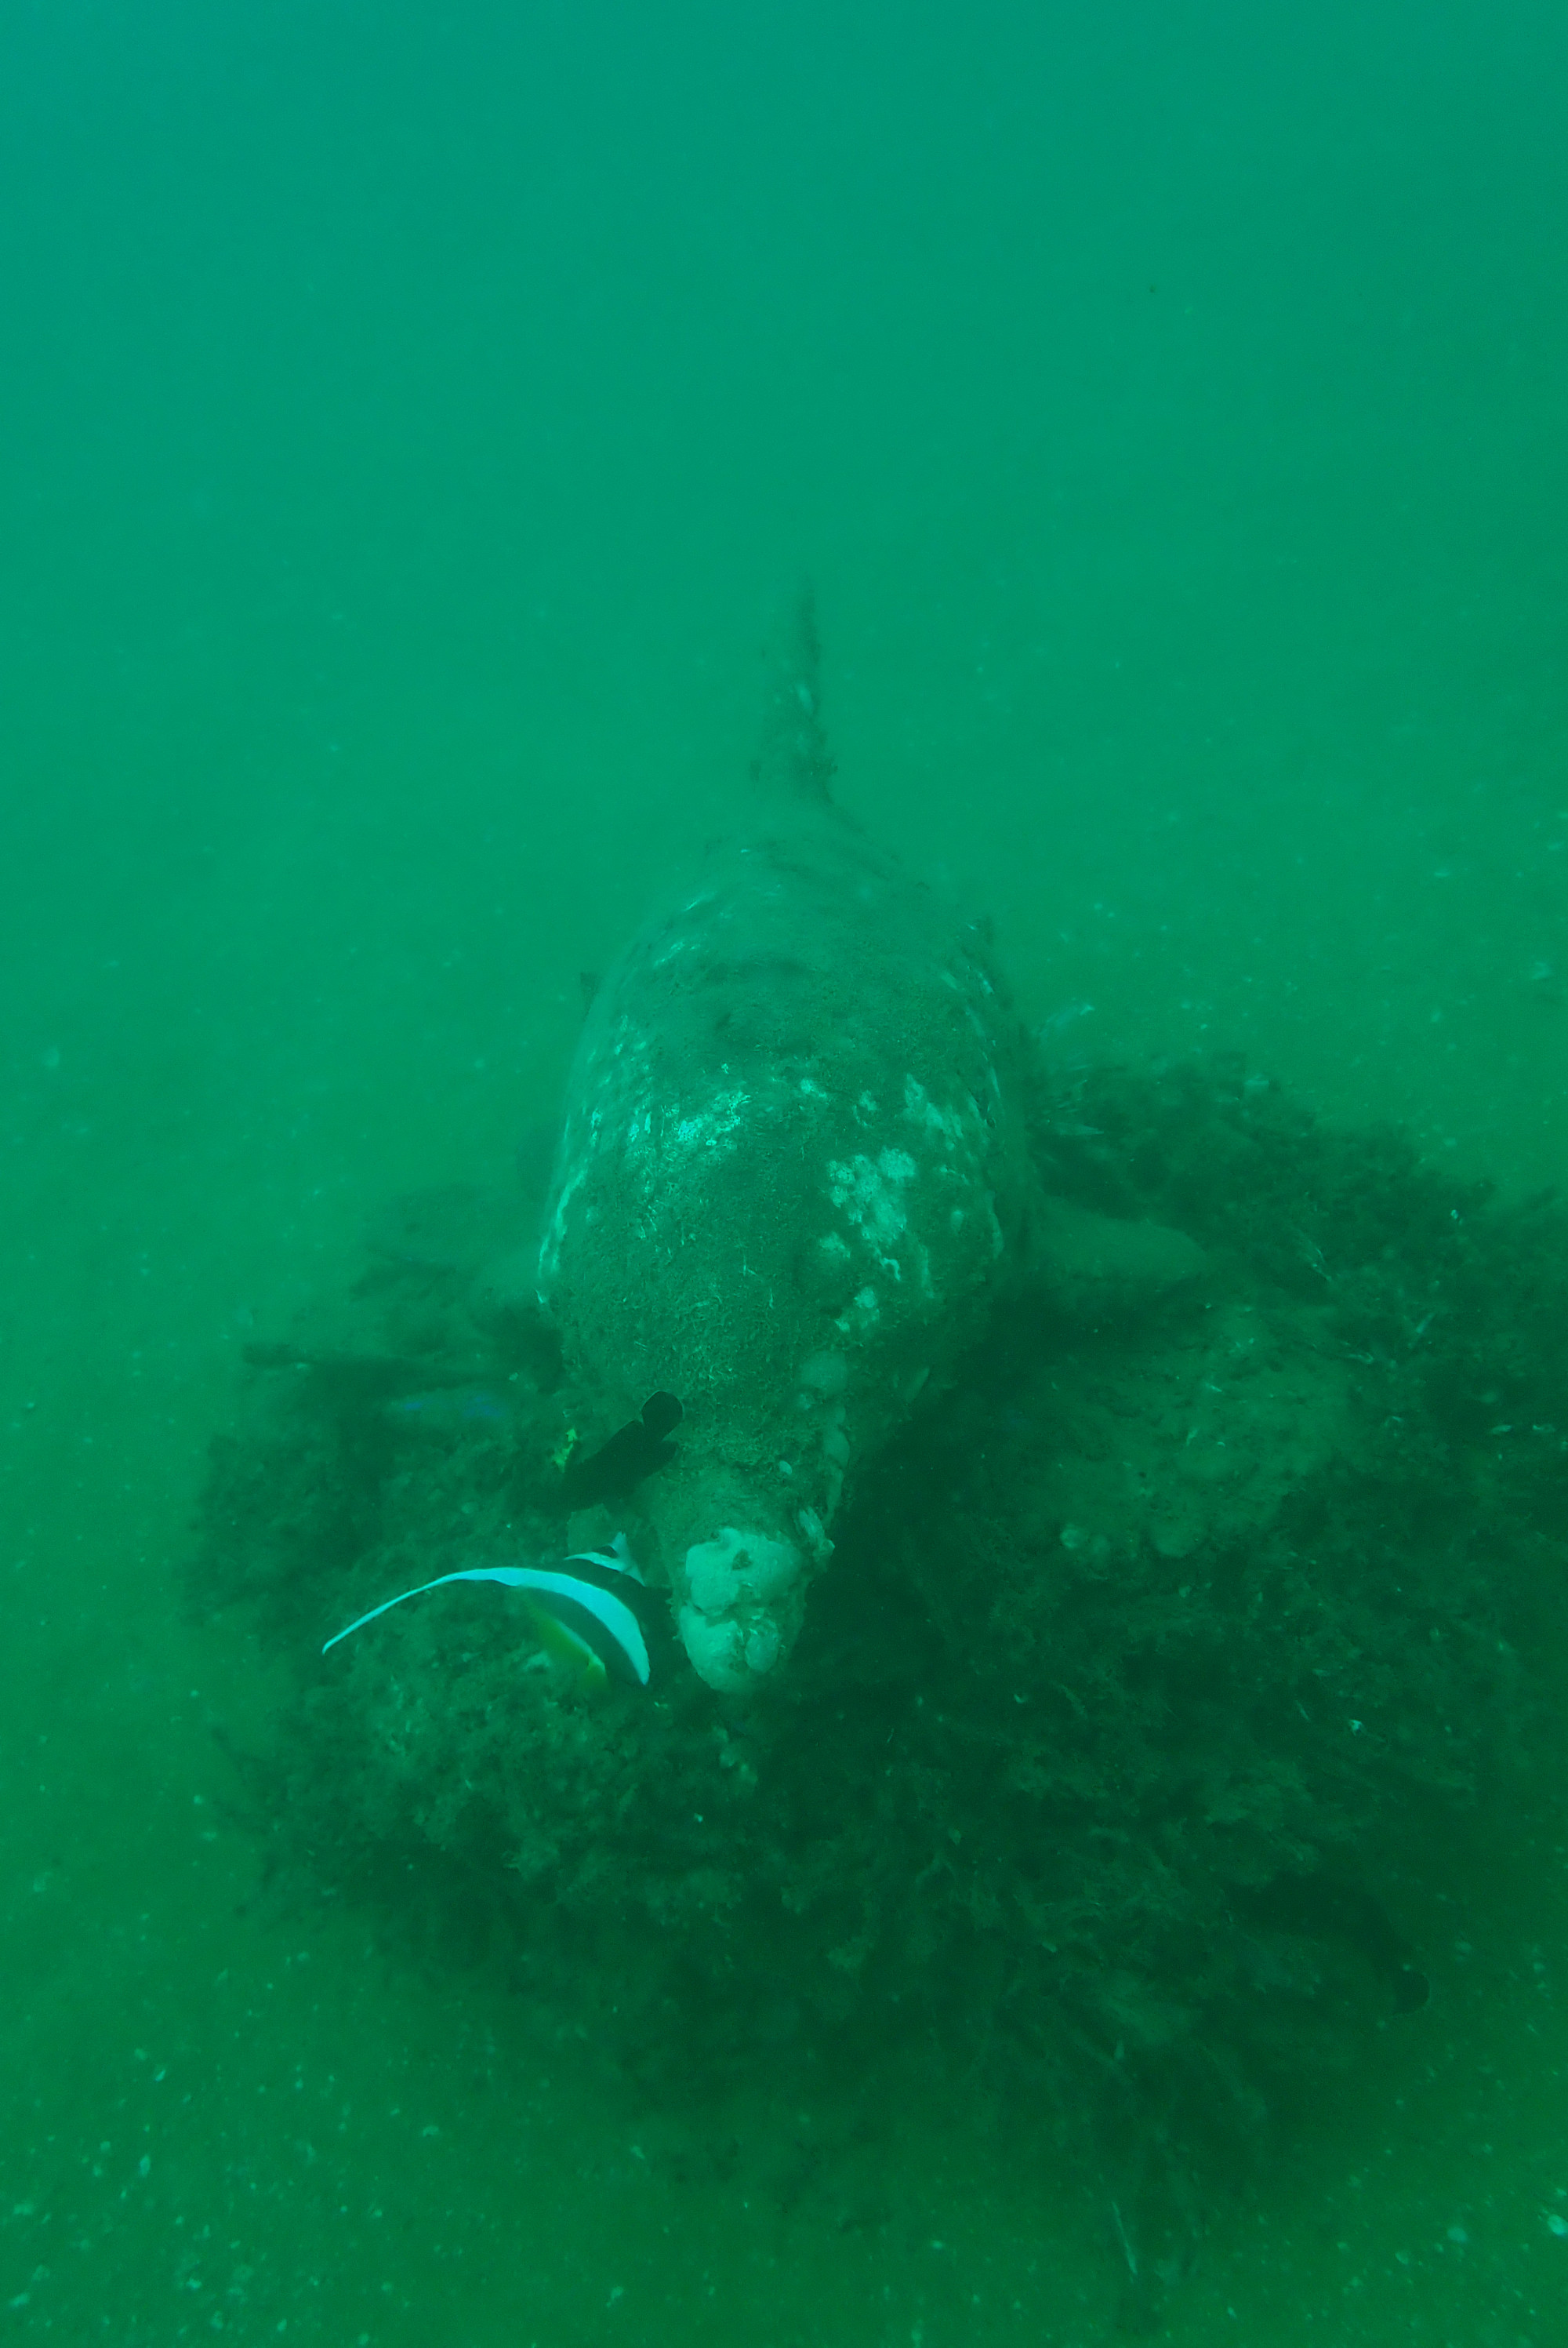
1171, 1583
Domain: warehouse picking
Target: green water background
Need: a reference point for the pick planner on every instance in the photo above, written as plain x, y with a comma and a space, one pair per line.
411, 418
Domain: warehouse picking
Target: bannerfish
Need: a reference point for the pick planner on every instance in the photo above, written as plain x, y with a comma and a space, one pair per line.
587, 1611
790, 1175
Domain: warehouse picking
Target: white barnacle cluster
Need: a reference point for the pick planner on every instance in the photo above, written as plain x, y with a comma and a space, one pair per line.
741, 1592
876, 1195
713, 1127
744, 1598
823, 1414
959, 1136
861, 1314
870, 1191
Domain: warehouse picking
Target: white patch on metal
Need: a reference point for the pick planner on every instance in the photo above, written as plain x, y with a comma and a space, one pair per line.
742, 1605
816, 1533
861, 1314
715, 1126
550, 1247
923, 1111
869, 1192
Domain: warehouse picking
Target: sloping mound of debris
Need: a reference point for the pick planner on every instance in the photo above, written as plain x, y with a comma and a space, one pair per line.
1132, 1718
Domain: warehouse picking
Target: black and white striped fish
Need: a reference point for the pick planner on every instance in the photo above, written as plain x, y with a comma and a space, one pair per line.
590, 1612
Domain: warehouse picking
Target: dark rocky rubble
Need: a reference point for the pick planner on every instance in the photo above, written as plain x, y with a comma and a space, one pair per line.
1127, 1744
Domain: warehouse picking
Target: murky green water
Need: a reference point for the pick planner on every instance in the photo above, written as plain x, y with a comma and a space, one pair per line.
411, 418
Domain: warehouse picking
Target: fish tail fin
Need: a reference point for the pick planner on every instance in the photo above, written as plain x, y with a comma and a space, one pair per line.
793, 760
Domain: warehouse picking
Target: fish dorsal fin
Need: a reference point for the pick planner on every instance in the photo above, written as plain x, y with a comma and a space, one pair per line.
793, 761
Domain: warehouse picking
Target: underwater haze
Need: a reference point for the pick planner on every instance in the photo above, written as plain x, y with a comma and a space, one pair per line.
412, 420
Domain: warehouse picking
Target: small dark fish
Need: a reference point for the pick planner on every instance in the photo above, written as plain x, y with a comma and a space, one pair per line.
632, 1452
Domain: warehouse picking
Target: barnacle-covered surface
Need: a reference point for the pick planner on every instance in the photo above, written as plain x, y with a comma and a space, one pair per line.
792, 1174
1122, 1754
